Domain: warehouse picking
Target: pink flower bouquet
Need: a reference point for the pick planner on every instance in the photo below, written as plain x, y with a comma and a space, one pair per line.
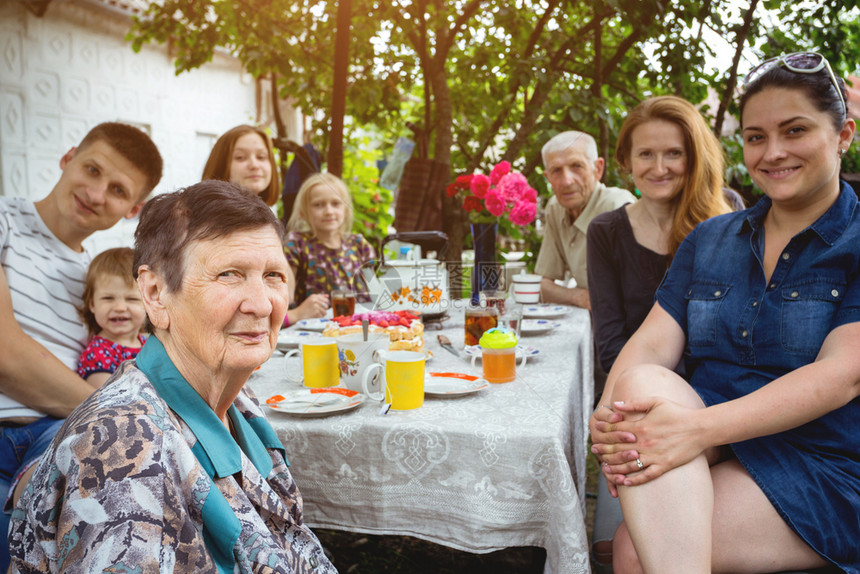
504, 194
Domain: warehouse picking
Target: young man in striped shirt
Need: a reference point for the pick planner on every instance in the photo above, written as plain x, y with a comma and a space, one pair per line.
42, 270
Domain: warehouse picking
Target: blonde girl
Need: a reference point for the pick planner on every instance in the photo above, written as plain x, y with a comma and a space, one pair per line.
322, 252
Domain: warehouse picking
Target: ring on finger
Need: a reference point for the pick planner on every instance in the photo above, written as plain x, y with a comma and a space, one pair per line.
639, 464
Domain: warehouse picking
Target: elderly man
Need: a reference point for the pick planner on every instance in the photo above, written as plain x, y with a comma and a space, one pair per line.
573, 169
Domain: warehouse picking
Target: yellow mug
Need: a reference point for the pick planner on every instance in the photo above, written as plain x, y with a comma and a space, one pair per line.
319, 362
402, 381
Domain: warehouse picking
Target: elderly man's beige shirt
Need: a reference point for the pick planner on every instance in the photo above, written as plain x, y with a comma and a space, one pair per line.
562, 253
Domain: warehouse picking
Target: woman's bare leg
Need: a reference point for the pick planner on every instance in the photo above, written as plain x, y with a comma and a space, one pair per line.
669, 518
749, 535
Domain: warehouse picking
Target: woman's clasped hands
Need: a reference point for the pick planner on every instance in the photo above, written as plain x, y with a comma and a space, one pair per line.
657, 432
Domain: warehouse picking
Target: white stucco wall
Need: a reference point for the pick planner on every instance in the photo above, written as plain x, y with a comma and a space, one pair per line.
71, 69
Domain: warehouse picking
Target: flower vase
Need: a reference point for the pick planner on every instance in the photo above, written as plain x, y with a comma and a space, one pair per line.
486, 272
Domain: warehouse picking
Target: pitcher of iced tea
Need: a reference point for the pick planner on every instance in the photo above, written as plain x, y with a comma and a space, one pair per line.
499, 355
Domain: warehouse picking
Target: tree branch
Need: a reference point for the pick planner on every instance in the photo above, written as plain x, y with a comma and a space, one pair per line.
620, 52
468, 11
514, 85
740, 42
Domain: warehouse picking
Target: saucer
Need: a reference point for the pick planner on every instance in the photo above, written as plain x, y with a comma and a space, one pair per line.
315, 402
449, 385
475, 351
537, 326
312, 324
291, 339
544, 311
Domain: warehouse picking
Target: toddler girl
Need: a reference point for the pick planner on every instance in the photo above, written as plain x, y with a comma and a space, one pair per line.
113, 312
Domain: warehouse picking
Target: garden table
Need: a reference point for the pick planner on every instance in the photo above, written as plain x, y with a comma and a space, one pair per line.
501, 467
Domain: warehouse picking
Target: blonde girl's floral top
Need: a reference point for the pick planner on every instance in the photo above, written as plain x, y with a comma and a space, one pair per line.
144, 477
320, 269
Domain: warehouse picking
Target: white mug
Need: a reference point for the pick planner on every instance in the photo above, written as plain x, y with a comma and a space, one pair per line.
354, 355
526, 288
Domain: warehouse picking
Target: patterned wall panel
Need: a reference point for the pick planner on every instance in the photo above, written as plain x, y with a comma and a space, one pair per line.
85, 53
73, 131
128, 104
14, 173
76, 95
104, 99
43, 133
57, 48
136, 66
112, 62
150, 106
44, 173
11, 120
11, 54
45, 89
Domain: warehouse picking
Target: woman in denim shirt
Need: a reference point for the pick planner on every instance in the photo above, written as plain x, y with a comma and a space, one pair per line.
753, 465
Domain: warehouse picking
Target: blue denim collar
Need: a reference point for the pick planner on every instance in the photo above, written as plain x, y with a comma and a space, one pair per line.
829, 226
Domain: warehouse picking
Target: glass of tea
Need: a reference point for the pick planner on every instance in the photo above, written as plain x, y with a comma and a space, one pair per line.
343, 302
494, 298
478, 321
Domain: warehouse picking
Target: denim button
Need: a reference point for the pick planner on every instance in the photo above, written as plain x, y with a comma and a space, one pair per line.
744, 333
785, 256
773, 285
835, 293
794, 294
755, 303
717, 293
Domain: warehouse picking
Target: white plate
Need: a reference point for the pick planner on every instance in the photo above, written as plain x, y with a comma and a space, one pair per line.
312, 324
472, 350
537, 326
544, 311
452, 386
290, 339
306, 403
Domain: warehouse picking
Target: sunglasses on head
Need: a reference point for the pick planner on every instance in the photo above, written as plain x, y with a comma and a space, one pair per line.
799, 63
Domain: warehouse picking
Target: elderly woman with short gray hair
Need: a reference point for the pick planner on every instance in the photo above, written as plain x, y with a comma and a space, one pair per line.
171, 465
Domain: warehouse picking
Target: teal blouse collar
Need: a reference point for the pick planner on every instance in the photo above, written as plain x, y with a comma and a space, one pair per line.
216, 449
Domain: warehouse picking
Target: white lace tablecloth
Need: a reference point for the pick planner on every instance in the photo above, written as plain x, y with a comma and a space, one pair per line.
498, 468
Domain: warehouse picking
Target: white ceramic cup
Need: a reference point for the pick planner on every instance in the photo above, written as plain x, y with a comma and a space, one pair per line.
526, 288
354, 355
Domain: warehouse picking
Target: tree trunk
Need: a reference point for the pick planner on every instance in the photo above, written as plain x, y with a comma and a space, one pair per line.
740, 41
338, 96
454, 218
597, 89
280, 127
